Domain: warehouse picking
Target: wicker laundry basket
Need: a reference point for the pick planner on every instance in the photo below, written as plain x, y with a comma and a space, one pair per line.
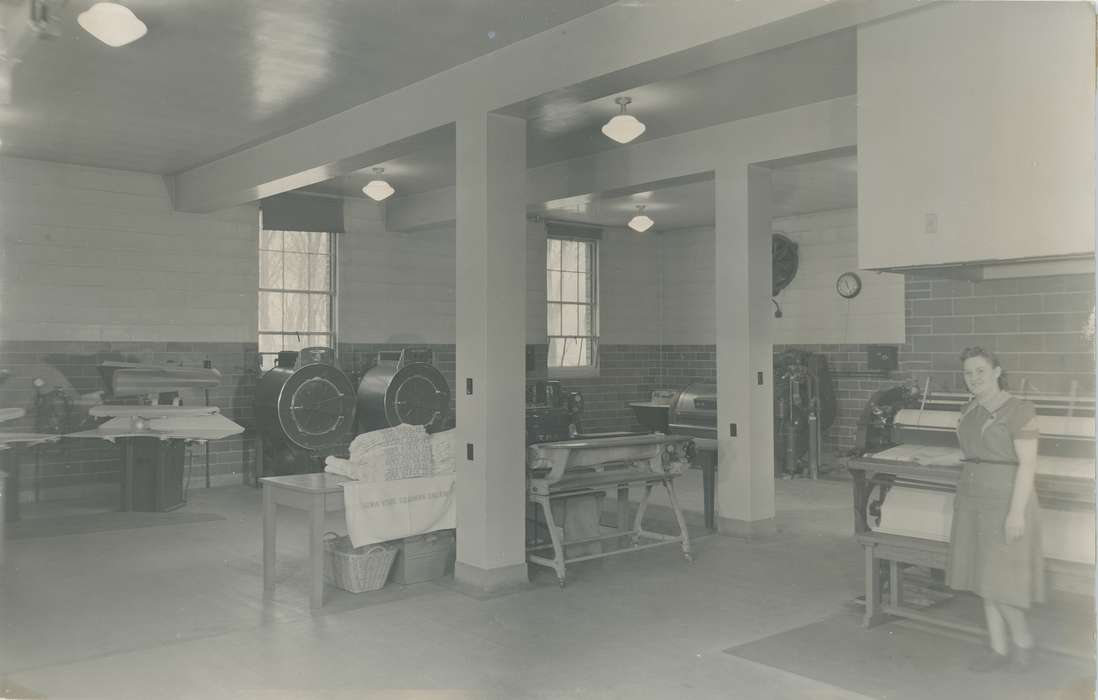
357, 570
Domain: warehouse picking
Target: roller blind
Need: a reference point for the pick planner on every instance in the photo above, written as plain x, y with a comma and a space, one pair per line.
557, 229
300, 212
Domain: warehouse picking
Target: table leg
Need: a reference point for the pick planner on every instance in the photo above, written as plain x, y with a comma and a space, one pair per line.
127, 474
10, 464
269, 510
623, 509
709, 490
316, 552
873, 615
895, 583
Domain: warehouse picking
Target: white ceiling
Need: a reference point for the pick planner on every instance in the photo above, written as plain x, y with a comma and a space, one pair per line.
560, 128
797, 189
214, 76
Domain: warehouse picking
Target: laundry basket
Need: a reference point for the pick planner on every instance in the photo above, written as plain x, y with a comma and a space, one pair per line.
357, 570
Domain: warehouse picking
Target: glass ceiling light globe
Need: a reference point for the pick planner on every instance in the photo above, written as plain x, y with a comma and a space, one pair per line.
377, 189
641, 222
112, 24
623, 128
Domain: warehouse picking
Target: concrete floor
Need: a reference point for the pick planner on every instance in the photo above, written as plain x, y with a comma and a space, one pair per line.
178, 611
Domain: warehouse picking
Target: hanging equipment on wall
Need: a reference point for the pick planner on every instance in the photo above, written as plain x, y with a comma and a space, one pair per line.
784, 261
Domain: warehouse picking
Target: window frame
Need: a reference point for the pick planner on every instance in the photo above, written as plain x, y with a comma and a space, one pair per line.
331, 293
594, 306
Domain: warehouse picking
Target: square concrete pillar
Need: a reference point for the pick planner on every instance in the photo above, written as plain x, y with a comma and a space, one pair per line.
491, 337
745, 385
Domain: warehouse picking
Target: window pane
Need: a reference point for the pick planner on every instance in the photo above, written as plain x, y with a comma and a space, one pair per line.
587, 294
296, 241
569, 286
552, 257
295, 311
583, 320
553, 326
571, 356
584, 259
295, 271
320, 270
569, 319
293, 342
319, 313
270, 270
316, 242
556, 346
569, 251
270, 240
319, 341
553, 285
270, 311
269, 343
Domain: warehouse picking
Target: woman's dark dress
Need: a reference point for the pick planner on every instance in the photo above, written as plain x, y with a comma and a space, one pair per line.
980, 558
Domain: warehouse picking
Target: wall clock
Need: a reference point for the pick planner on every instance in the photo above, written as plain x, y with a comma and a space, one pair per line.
849, 285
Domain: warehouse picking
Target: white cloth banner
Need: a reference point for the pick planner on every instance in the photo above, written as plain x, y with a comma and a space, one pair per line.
389, 510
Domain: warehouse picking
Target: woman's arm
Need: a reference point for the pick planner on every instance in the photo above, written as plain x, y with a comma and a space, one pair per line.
1026, 448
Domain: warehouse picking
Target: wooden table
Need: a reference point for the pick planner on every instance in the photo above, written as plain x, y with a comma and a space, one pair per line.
315, 494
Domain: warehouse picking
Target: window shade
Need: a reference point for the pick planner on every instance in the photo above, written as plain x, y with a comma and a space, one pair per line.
557, 229
301, 212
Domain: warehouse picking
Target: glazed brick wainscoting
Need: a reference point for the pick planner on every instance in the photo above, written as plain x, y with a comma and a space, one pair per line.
631, 373
71, 465
1034, 325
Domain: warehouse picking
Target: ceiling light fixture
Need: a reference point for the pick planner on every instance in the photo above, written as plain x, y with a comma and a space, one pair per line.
641, 222
623, 128
377, 189
112, 24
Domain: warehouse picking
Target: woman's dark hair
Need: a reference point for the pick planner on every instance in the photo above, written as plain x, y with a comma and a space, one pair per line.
977, 351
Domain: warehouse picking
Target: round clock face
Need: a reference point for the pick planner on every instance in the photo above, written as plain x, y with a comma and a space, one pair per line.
848, 285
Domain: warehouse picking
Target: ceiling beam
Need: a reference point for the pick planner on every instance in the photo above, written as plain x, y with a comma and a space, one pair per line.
829, 127
624, 44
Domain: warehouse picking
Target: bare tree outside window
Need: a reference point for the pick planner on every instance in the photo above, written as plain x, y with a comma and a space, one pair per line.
571, 292
296, 292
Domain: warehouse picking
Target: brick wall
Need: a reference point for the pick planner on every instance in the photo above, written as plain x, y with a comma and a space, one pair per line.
1033, 324
71, 465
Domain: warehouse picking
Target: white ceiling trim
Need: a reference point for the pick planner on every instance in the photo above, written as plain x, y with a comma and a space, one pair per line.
817, 128
687, 34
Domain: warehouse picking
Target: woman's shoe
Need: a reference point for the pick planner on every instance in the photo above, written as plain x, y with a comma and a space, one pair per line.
989, 661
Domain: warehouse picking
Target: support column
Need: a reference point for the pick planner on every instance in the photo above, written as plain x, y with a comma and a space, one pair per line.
491, 337
745, 387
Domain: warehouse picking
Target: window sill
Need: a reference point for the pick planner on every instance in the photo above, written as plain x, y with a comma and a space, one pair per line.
573, 372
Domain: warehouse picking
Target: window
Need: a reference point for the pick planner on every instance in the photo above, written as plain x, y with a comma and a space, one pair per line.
296, 291
572, 302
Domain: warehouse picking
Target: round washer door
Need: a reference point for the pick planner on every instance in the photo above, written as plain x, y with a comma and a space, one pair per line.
316, 407
418, 395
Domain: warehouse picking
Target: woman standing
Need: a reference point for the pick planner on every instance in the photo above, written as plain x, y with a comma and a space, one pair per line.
996, 539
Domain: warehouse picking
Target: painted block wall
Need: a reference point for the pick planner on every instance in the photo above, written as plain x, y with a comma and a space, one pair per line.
812, 311
96, 265
980, 116
394, 287
88, 254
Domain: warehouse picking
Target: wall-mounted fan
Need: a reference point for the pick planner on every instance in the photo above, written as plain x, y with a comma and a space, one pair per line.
784, 261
